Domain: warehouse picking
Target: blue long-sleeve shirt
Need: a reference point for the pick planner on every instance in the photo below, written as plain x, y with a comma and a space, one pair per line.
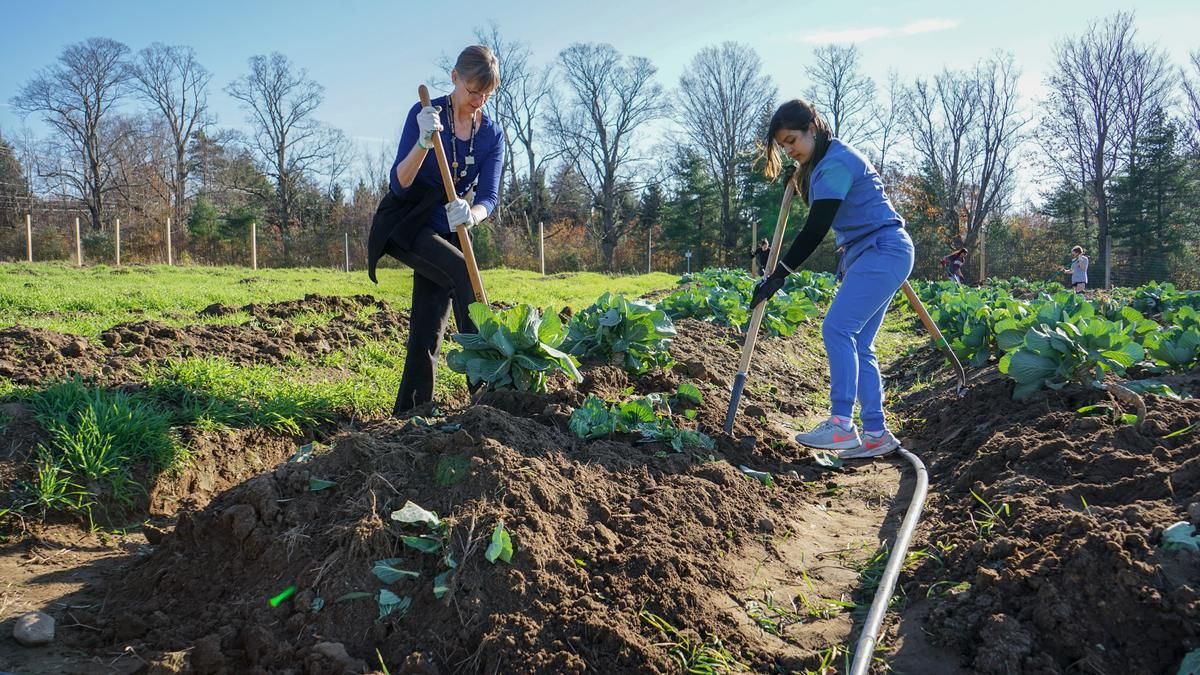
489, 157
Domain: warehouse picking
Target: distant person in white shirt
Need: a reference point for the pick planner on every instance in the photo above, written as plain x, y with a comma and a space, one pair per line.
1078, 269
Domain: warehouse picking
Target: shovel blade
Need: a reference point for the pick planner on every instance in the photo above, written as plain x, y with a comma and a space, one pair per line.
739, 383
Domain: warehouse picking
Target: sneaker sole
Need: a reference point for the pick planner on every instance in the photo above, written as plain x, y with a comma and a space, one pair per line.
863, 453
833, 445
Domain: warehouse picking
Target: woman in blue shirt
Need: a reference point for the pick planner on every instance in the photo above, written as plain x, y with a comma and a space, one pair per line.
409, 227
845, 193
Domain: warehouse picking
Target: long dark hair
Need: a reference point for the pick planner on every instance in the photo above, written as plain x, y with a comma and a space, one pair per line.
796, 115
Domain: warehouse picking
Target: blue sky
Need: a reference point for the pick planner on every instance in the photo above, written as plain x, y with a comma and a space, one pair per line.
370, 56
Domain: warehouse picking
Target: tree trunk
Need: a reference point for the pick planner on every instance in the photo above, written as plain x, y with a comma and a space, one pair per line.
180, 180
608, 244
1102, 215
535, 205
730, 246
96, 205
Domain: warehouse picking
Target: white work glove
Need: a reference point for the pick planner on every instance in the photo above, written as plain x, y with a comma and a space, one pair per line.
459, 213
429, 122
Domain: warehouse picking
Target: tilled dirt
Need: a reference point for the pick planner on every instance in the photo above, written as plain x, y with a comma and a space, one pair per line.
607, 533
1071, 575
1068, 576
602, 530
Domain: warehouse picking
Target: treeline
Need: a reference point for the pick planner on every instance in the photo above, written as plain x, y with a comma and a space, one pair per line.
1112, 154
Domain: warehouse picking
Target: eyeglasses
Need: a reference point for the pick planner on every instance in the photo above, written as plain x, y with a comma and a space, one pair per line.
483, 95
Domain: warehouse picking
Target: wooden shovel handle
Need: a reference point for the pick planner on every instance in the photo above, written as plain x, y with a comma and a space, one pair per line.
464, 237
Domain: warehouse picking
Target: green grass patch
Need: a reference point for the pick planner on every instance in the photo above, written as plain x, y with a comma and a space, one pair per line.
98, 438
312, 319
215, 392
705, 655
90, 300
901, 334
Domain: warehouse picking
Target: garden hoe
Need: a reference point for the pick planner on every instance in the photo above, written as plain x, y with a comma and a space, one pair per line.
930, 326
464, 237
739, 381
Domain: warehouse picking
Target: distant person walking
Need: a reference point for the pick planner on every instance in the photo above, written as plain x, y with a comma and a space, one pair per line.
760, 256
953, 265
1078, 269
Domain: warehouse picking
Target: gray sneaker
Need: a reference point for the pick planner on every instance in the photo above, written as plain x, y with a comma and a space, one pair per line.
829, 436
872, 446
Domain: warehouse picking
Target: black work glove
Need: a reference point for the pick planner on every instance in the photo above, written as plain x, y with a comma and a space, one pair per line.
768, 287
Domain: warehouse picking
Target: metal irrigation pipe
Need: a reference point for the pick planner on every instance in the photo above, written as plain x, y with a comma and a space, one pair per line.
883, 595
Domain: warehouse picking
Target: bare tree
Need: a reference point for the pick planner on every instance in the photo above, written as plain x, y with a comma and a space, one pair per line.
998, 133
339, 156
942, 117
176, 86
1148, 90
841, 93
723, 95
1191, 90
889, 119
965, 128
141, 159
1091, 117
609, 97
74, 96
375, 167
288, 140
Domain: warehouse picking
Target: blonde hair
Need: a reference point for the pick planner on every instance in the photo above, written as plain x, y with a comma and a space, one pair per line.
796, 115
477, 65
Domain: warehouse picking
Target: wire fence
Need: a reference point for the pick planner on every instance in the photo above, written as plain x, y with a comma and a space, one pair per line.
65, 235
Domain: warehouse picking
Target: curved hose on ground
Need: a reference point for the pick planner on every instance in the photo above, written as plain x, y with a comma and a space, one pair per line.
883, 595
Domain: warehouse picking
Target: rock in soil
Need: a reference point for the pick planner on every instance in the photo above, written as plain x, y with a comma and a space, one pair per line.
34, 629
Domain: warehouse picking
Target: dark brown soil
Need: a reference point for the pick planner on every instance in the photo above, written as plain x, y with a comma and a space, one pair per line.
1073, 578
218, 461
608, 532
602, 530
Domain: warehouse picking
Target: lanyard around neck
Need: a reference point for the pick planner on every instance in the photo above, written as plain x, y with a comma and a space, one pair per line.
470, 158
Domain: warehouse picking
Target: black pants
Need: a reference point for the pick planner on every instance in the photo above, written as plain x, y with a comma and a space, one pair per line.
440, 280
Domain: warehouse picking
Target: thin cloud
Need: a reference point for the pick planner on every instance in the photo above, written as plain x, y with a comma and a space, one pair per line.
928, 26
875, 32
852, 35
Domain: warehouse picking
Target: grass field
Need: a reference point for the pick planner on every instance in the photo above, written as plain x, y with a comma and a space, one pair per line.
88, 301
